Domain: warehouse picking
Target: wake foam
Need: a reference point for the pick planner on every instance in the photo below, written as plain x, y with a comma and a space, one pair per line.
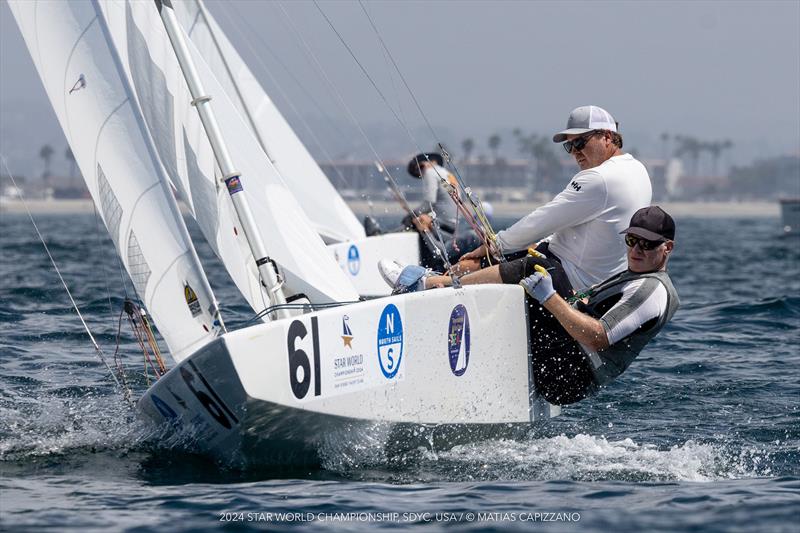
588, 458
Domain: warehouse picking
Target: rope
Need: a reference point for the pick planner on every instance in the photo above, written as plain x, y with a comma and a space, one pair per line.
487, 234
439, 244
98, 350
259, 59
476, 204
310, 54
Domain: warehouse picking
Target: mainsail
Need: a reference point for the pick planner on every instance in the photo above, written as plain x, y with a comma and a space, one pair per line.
96, 107
185, 151
326, 209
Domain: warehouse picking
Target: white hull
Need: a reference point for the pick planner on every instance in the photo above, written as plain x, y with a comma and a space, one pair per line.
359, 259
400, 363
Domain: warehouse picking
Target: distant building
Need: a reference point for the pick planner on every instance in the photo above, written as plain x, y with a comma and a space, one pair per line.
498, 179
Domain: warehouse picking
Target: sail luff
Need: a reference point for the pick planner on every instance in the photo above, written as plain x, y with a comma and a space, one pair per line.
163, 179
104, 129
232, 178
248, 114
183, 146
329, 214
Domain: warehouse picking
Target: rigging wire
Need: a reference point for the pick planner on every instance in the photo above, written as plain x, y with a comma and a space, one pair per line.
259, 59
310, 54
102, 265
487, 233
98, 350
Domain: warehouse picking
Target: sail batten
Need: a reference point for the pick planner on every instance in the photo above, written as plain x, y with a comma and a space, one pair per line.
183, 145
81, 72
326, 209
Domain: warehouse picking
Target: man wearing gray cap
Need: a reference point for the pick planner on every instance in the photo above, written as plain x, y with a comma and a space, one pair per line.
577, 232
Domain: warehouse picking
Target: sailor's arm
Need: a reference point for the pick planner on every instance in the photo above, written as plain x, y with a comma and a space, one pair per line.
586, 330
583, 199
580, 326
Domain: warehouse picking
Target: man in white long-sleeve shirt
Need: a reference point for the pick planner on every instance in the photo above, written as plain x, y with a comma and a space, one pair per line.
580, 226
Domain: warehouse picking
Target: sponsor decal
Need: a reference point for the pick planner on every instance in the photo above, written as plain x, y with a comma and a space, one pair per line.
347, 333
390, 341
458, 340
234, 185
353, 260
348, 367
191, 300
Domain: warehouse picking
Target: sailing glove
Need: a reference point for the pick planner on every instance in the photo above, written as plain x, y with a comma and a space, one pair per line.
539, 286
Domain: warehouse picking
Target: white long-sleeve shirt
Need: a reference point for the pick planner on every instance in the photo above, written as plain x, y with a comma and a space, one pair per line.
584, 220
435, 197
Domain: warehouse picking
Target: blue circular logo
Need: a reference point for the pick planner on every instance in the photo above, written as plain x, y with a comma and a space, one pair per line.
353, 260
390, 341
458, 340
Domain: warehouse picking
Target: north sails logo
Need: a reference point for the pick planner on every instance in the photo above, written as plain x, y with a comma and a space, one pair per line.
575, 185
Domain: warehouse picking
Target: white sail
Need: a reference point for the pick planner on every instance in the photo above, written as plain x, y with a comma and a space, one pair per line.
329, 214
81, 72
184, 149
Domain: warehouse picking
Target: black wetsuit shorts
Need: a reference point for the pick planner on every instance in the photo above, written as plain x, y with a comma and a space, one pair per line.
560, 367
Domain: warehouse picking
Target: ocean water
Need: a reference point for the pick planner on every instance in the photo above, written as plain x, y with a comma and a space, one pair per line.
701, 434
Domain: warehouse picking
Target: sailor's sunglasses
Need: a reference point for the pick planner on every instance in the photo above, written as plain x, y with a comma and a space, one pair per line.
644, 244
579, 143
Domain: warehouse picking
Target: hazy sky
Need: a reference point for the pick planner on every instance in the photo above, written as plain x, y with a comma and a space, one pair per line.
714, 70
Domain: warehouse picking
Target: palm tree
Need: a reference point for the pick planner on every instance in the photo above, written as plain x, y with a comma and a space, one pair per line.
46, 153
494, 144
71, 158
540, 149
467, 145
690, 147
727, 144
665, 144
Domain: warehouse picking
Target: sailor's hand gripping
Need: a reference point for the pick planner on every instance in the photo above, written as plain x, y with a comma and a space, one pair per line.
539, 285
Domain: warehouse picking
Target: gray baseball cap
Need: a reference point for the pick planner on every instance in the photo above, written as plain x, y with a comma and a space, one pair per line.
584, 119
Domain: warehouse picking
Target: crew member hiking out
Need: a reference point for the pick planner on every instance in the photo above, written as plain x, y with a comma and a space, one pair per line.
580, 345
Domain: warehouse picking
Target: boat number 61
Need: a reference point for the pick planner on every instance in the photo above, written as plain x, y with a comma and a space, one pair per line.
299, 359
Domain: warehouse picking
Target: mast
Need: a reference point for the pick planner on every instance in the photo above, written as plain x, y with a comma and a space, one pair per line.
232, 177
162, 177
248, 115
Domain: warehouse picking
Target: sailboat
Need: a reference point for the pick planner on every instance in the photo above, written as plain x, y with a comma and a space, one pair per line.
150, 120
329, 214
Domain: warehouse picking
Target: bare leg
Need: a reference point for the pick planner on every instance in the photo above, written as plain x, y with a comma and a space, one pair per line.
487, 275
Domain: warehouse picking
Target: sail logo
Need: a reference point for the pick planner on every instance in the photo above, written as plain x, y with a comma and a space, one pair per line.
191, 300
353, 260
458, 340
347, 333
390, 341
80, 84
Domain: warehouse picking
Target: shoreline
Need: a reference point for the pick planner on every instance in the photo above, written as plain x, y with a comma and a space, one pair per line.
382, 208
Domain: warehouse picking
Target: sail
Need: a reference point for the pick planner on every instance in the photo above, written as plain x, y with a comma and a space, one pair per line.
330, 216
81, 72
185, 151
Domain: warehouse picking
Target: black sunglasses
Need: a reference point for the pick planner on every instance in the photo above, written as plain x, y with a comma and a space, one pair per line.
644, 244
579, 143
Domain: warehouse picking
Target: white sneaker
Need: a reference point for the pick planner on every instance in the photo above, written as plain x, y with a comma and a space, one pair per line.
390, 271
403, 278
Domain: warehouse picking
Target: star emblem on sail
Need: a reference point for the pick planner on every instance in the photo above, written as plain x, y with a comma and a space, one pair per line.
347, 333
